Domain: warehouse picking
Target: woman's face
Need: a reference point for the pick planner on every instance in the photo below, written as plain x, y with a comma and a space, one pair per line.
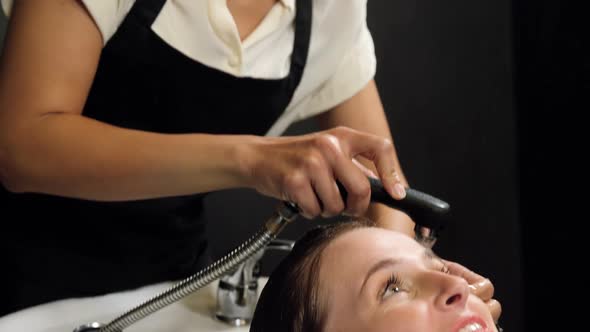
377, 280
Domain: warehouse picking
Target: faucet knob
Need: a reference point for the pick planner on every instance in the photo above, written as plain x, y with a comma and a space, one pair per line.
237, 293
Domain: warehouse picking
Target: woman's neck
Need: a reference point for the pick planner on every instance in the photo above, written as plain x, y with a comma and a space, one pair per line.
248, 14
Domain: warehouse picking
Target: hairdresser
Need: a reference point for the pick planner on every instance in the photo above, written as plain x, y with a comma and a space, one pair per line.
117, 116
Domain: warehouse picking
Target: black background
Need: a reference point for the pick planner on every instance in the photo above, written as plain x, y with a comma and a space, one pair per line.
551, 47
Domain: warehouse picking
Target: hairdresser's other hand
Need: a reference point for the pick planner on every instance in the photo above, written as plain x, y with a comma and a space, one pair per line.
479, 286
304, 170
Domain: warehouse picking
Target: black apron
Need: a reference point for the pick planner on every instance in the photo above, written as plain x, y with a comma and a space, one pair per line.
54, 248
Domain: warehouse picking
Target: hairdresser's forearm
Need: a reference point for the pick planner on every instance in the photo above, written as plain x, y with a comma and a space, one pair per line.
70, 155
365, 112
47, 68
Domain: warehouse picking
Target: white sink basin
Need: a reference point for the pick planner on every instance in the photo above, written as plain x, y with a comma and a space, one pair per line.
195, 312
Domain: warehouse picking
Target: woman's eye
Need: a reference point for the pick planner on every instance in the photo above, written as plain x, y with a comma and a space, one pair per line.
391, 290
392, 287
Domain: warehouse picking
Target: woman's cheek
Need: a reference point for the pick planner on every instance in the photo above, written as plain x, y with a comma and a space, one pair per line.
409, 317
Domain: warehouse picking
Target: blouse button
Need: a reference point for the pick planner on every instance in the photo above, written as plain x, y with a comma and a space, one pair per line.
233, 61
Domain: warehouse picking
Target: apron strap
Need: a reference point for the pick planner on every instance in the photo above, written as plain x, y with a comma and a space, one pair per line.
303, 22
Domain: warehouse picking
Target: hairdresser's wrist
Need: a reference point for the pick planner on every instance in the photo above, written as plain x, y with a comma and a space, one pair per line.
245, 155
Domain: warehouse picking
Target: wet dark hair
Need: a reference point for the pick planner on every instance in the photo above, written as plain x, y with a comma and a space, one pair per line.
290, 301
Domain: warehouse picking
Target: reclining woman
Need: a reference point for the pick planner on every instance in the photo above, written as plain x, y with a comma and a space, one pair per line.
355, 277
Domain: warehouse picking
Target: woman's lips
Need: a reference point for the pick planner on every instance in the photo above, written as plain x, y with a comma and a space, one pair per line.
471, 324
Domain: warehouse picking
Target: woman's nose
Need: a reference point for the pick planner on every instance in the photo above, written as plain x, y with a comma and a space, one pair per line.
452, 292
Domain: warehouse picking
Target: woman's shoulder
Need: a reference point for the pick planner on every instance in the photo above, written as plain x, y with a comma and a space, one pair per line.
107, 14
335, 4
340, 11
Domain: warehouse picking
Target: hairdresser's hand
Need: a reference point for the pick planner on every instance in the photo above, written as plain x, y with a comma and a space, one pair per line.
480, 286
304, 170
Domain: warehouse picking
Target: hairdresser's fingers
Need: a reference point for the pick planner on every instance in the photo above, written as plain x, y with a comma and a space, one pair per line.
364, 169
382, 153
463, 272
356, 184
336, 151
483, 289
495, 309
479, 286
327, 191
302, 194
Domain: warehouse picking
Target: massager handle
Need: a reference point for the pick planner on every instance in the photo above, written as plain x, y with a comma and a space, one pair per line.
425, 210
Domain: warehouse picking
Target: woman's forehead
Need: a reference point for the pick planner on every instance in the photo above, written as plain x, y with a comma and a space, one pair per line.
354, 252
374, 240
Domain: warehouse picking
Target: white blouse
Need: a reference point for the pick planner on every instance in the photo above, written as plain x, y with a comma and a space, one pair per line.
340, 63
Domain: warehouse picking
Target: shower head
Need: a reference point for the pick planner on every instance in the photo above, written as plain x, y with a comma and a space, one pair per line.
426, 211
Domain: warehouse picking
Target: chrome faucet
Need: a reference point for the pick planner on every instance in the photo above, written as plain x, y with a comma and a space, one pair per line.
237, 293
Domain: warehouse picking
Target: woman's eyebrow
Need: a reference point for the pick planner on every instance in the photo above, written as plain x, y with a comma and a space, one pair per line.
382, 264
